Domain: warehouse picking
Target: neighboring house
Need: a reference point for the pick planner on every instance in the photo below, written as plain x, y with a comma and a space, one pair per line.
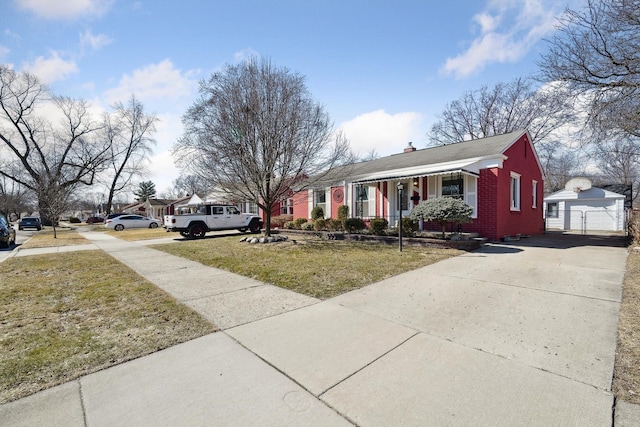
582, 207
155, 208
500, 177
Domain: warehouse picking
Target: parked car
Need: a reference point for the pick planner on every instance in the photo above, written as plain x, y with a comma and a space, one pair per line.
95, 220
131, 221
7, 233
114, 215
30, 222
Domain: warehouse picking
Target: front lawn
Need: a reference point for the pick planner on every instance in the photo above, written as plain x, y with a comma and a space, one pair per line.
131, 234
67, 315
310, 266
45, 239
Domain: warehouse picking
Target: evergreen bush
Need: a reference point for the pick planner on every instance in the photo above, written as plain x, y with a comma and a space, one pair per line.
352, 225
299, 222
378, 226
317, 213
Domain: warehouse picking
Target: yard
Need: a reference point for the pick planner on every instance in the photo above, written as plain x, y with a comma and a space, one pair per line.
65, 316
310, 266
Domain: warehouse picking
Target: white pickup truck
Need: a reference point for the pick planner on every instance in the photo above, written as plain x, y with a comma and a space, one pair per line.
212, 217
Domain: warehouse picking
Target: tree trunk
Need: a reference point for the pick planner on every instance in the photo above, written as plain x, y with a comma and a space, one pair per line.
267, 223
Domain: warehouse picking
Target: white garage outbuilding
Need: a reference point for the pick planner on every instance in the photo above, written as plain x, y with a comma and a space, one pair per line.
584, 208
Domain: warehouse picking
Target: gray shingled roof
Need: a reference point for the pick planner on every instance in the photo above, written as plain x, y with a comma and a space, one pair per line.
484, 147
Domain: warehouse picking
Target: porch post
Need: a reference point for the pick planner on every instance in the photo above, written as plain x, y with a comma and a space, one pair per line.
400, 188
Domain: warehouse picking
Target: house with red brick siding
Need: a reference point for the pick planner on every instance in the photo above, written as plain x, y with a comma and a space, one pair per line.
500, 177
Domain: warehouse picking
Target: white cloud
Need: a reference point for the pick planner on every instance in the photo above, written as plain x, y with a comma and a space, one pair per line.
94, 42
51, 69
66, 9
161, 165
155, 82
245, 54
4, 51
383, 132
163, 171
507, 32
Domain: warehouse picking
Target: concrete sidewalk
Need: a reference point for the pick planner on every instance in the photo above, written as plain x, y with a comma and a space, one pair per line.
518, 334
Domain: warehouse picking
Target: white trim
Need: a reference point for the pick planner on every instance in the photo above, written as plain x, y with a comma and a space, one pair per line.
534, 195
515, 200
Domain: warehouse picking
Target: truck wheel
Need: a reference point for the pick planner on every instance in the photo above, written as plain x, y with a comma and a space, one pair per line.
254, 226
197, 231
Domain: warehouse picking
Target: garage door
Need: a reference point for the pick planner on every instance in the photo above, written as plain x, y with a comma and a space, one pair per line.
595, 215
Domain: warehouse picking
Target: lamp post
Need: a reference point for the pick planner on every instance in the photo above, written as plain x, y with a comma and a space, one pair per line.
400, 189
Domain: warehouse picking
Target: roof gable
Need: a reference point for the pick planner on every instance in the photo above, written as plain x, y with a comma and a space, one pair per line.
592, 193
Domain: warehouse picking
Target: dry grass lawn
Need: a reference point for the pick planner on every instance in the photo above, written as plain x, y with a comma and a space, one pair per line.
141, 233
45, 239
626, 381
66, 316
313, 267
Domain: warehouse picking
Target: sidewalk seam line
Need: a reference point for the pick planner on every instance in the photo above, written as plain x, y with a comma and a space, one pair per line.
533, 289
289, 377
370, 363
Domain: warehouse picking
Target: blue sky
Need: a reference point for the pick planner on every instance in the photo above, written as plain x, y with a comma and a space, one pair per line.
383, 69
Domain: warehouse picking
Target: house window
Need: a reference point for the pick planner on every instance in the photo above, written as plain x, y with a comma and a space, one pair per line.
320, 200
552, 209
534, 196
286, 207
453, 186
252, 208
515, 191
362, 201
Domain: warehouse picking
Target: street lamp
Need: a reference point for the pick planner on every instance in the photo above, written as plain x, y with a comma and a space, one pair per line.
400, 189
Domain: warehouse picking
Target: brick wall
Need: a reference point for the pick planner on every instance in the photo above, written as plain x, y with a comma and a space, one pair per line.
301, 204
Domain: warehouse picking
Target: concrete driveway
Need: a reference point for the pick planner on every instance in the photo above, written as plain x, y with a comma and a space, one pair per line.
514, 334
519, 334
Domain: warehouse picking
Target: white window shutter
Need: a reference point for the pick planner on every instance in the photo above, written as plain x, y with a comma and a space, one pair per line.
432, 187
471, 193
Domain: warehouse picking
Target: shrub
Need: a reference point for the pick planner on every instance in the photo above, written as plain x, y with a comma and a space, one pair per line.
74, 220
379, 226
335, 225
409, 227
343, 213
280, 220
289, 225
317, 213
320, 224
354, 224
443, 210
299, 222
307, 226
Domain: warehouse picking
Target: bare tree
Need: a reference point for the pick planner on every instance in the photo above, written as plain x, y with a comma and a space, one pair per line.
129, 132
504, 108
617, 159
191, 184
54, 158
255, 132
508, 107
597, 53
14, 198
